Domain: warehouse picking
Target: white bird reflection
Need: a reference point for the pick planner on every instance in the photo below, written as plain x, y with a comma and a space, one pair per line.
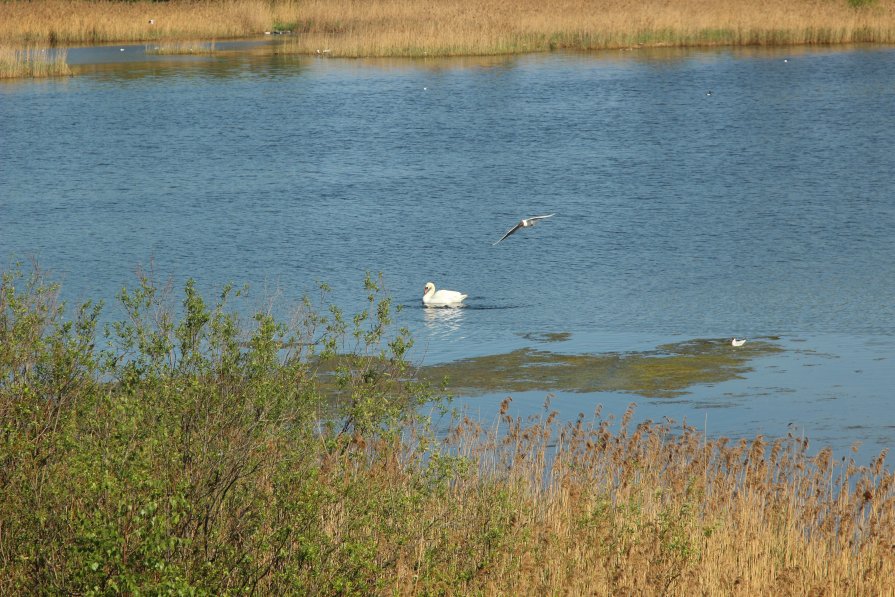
443, 323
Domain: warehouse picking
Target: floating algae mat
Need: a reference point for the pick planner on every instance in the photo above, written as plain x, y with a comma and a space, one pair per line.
667, 371
546, 336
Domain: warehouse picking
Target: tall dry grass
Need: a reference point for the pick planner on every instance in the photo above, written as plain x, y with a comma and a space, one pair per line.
606, 508
74, 21
458, 27
33, 61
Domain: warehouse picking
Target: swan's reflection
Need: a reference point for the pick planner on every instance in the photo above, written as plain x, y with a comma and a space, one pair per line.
443, 322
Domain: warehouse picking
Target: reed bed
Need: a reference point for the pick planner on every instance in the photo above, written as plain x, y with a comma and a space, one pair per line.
610, 508
78, 21
33, 62
457, 27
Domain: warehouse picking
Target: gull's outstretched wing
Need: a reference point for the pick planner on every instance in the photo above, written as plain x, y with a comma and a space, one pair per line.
534, 219
509, 232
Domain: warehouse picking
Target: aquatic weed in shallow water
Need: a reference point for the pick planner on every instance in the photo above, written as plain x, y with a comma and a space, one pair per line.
667, 371
546, 336
181, 47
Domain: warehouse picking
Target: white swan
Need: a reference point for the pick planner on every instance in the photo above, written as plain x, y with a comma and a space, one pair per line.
441, 298
736, 342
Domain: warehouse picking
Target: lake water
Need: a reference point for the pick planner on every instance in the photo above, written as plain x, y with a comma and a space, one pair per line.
698, 194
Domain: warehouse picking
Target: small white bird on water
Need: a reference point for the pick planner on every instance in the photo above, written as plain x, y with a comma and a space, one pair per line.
526, 223
442, 298
736, 342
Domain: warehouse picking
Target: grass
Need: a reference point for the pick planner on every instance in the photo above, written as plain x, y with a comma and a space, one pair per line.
455, 27
33, 62
190, 450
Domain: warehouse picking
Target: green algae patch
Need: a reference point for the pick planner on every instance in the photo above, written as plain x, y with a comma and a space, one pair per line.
546, 336
667, 371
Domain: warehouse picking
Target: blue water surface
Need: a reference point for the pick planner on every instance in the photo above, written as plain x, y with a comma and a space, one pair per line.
698, 194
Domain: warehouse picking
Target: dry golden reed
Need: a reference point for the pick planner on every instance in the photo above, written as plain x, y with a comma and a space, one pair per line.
457, 27
601, 507
33, 61
75, 21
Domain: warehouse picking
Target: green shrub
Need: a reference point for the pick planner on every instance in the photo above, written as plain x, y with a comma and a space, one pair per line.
184, 451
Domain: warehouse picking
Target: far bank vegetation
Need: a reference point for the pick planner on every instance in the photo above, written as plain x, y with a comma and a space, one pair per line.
455, 27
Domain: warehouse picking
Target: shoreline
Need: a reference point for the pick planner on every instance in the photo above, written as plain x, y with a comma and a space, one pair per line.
455, 28
31, 61
408, 29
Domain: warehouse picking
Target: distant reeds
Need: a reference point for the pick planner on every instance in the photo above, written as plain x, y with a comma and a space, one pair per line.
33, 62
76, 21
459, 27
456, 27
181, 47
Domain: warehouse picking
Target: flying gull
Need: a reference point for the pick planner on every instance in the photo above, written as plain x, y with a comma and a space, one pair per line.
527, 223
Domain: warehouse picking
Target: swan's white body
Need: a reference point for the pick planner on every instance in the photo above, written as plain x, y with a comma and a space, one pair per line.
441, 298
736, 342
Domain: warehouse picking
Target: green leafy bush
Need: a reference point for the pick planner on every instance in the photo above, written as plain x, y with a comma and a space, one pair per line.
184, 451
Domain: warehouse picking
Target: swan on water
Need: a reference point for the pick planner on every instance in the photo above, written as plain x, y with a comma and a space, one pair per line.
736, 342
441, 298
